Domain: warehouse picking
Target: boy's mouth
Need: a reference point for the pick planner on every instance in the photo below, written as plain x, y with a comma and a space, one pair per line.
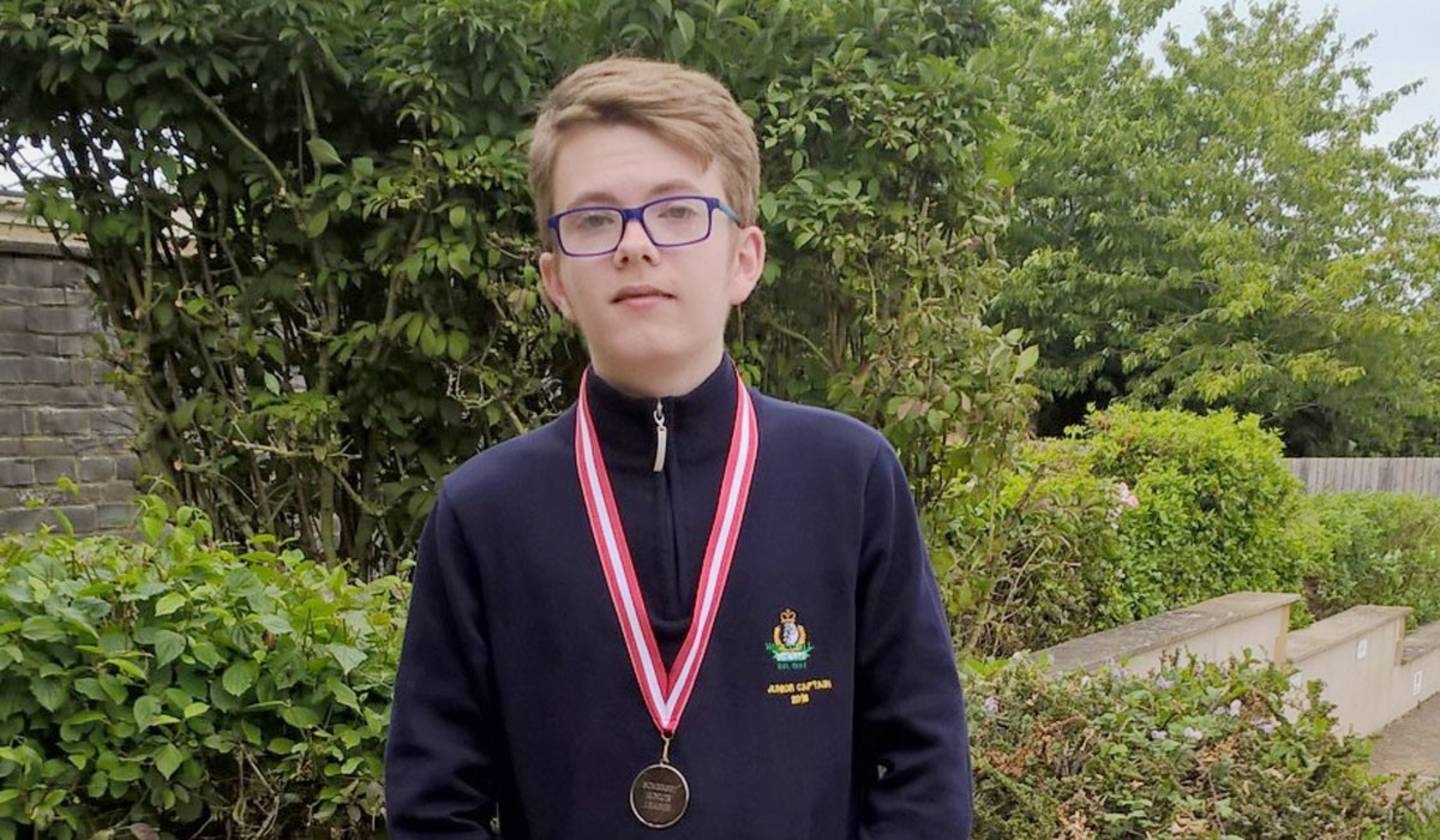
640, 293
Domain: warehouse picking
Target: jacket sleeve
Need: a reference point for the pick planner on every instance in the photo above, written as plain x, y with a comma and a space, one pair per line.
443, 760
912, 747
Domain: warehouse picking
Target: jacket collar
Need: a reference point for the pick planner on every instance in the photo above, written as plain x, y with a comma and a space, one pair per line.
697, 424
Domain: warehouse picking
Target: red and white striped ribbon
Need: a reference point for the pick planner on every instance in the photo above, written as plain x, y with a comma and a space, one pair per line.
666, 694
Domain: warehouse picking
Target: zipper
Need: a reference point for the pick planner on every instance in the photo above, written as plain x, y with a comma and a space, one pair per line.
661, 433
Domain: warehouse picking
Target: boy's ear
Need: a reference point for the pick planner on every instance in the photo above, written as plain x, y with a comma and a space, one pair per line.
749, 264
554, 290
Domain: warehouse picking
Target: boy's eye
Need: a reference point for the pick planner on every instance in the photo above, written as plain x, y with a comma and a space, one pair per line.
678, 211
596, 220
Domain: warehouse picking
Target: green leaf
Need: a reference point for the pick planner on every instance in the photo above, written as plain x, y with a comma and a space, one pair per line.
686, 25
679, 45
363, 167
457, 344
117, 86
322, 151
128, 667
280, 746
49, 693
277, 624
205, 653
316, 224
168, 760
1028, 357
240, 676
98, 784
168, 646
343, 693
272, 383
127, 771
112, 687
458, 215
195, 710
42, 628
169, 604
348, 657
146, 710
301, 717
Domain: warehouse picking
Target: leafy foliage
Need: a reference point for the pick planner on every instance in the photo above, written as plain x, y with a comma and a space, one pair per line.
168, 681
1138, 512
1215, 507
1203, 750
1376, 548
314, 245
1220, 231
1039, 561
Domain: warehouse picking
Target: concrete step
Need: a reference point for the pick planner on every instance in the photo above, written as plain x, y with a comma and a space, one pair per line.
1352, 625
1213, 630
1421, 642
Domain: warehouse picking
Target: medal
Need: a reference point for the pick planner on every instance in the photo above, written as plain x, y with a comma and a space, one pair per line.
660, 793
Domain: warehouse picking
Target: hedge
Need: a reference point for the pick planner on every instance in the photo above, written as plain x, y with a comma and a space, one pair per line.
174, 682
1376, 548
171, 681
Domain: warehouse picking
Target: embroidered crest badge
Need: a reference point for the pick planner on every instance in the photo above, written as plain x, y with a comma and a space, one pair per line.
790, 646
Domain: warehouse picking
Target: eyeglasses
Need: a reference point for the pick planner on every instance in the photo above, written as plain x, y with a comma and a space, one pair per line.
669, 222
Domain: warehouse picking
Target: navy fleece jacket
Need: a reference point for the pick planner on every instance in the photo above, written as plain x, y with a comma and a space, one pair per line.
515, 692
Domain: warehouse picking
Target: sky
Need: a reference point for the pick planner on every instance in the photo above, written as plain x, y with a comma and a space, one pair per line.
1404, 49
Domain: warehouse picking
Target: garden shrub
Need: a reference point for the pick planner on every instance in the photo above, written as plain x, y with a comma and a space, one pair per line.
1217, 507
1198, 750
1379, 548
1143, 511
1036, 564
169, 681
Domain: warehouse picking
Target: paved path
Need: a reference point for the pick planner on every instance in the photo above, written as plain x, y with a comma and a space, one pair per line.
1411, 744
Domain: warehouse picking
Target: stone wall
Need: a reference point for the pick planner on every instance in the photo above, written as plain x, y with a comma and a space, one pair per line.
58, 417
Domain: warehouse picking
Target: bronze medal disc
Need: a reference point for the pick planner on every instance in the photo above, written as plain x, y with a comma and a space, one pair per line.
659, 796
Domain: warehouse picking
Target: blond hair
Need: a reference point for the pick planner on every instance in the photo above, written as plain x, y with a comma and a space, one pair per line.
682, 106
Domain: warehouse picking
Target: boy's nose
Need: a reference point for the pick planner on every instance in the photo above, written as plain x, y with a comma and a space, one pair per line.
635, 244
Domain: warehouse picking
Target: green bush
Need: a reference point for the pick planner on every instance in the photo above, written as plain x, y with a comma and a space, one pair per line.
1200, 750
1217, 507
1138, 512
171, 682
1036, 563
1379, 548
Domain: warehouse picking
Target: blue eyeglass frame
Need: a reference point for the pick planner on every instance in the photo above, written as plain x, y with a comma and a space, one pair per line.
638, 214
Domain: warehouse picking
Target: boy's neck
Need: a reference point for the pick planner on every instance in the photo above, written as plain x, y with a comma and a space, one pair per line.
662, 379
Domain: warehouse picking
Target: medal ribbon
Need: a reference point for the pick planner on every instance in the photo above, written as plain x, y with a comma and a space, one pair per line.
666, 694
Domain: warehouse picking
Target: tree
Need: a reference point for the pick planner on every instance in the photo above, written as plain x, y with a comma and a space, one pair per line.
1219, 231
313, 242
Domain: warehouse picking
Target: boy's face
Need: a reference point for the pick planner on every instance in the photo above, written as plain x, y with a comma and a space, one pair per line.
644, 308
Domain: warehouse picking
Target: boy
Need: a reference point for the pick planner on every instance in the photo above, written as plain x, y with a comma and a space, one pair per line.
682, 603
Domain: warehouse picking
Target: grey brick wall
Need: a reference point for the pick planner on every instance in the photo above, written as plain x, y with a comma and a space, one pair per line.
57, 414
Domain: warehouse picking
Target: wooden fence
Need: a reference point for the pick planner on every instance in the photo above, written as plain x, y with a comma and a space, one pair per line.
1420, 476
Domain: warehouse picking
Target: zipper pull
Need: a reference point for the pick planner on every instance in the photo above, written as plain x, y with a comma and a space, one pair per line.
660, 434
